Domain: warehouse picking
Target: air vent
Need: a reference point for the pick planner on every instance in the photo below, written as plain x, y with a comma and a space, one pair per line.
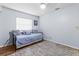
56, 9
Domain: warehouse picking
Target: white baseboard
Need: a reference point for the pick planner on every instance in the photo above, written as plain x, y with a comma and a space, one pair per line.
64, 44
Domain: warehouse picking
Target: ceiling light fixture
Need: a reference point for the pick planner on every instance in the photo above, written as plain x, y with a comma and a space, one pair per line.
43, 6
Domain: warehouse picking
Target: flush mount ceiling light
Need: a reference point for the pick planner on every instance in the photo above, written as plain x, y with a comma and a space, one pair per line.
43, 6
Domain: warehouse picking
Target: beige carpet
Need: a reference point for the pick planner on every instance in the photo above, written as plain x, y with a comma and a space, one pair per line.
46, 48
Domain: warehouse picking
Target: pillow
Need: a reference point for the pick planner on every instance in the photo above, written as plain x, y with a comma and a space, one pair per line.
16, 32
26, 32
34, 31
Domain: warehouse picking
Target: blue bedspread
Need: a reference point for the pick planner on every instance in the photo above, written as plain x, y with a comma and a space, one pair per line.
25, 39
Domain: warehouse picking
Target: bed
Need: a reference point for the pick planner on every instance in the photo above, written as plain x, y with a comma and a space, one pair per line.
24, 40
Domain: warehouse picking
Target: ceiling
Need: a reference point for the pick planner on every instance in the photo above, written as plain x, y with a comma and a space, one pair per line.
34, 8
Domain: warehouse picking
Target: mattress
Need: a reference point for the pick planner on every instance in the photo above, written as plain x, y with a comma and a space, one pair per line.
28, 39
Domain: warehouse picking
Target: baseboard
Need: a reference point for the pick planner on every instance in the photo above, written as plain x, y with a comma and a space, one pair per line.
64, 44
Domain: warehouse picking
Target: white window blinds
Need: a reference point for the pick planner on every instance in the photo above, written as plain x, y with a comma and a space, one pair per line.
23, 24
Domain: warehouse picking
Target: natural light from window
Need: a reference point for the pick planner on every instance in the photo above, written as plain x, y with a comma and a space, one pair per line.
23, 24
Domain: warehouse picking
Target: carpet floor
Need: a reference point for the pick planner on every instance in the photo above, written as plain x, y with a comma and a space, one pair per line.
46, 48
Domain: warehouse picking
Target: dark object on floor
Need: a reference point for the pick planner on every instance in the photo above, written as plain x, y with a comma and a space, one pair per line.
4, 51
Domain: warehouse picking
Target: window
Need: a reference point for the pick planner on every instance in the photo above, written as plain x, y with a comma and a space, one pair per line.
23, 24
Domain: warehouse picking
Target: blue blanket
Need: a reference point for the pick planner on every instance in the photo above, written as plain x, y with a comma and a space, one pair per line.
25, 39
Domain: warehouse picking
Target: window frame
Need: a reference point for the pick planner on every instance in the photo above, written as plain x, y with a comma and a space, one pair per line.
25, 19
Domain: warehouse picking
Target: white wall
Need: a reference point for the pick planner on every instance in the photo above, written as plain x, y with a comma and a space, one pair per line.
8, 22
62, 26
